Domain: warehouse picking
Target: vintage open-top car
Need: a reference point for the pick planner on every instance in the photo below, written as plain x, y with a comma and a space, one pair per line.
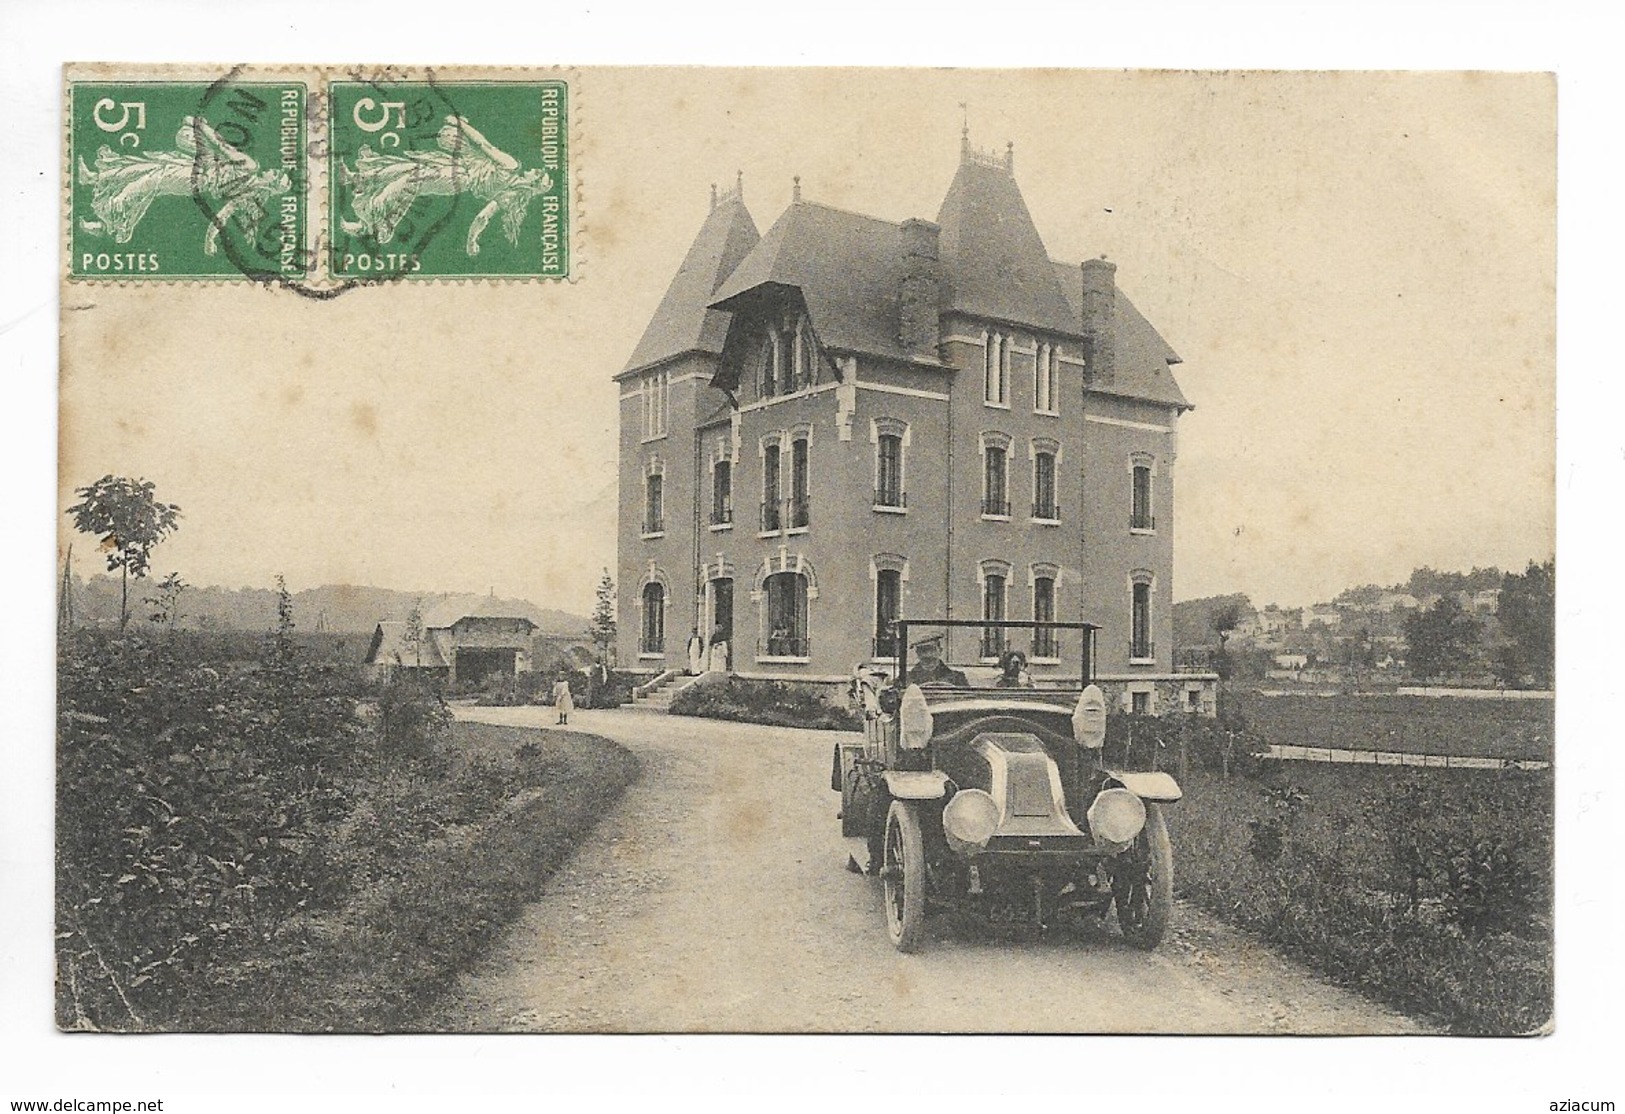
976, 791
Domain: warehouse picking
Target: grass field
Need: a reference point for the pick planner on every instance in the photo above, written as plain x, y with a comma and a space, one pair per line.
1519, 729
1429, 889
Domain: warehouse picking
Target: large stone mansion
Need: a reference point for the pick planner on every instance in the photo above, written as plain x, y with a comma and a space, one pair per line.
850, 419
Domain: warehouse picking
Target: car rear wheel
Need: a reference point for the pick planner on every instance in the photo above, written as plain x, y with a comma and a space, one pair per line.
1143, 883
903, 876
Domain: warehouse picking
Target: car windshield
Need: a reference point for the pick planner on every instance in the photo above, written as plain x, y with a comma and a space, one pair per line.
991, 659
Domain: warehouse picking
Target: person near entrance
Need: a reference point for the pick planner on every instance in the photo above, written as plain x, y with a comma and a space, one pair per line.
719, 649
563, 702
696, 653
930, 669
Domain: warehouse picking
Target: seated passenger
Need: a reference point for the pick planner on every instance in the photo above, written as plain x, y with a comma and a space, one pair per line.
930, 669
1013, 671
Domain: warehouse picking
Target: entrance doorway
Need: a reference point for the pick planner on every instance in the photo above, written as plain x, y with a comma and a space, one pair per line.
719, 601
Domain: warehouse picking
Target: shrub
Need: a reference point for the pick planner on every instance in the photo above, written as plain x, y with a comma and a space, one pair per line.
768, 702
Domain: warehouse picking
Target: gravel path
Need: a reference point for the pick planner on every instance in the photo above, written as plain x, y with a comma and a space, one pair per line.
714, 898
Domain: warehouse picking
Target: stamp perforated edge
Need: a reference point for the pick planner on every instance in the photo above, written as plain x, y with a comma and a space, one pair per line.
317, 77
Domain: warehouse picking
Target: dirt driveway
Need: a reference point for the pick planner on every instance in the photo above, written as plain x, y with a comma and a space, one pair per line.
713, 897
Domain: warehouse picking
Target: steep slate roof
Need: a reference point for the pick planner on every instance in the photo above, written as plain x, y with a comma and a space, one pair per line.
682, 323
993, 257
389, 648
847, 266
1142, 358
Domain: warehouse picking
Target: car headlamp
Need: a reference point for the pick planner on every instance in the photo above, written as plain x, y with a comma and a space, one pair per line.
1089, 719
1116, 816
969, 820
916, 717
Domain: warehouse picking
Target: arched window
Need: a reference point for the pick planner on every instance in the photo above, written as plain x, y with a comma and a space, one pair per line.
653, 635
1045, 646
995, 475
654, 499
995, 578
890, 437
889, 572
1045, 506
1044, 398
785, 595
996, 370
1141, 513
1141, 647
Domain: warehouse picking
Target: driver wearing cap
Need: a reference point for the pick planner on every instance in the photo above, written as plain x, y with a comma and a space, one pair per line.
930, 669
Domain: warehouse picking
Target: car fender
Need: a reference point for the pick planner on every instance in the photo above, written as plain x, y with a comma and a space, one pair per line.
1148, 785
916, 785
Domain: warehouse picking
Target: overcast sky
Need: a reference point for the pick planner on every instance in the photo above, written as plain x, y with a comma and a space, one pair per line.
1356, 269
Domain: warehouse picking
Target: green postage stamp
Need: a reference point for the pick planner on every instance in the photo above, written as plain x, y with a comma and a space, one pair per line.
410, 174
449, 179
188, 179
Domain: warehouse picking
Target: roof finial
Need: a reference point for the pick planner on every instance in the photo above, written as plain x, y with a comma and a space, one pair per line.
713, 195
739, 184
964, 130
795, 190
1010, 155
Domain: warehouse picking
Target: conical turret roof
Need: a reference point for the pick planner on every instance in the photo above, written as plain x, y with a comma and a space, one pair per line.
991, 252
683, 323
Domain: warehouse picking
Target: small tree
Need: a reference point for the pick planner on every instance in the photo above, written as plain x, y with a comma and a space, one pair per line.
165, 607
412, 640
1223, 621
602, 628
130, 521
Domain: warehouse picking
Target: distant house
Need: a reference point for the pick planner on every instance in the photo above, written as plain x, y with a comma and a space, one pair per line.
1291, 661
1322, 615
462, 649
1487, 601
1398, 601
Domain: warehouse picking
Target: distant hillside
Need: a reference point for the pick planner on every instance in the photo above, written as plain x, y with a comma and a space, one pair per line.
340, 608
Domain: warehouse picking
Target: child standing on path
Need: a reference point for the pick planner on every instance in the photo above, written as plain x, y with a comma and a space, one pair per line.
562, 701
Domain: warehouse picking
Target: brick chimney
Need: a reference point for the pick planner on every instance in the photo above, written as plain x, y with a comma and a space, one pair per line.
1099, 320
919, 324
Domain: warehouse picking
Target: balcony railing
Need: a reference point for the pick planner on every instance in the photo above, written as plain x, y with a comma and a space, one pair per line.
999, 508
1047, 511
723, 516
772, 520
885, 497
1142, 522
654, 524
1195, 659
1141, 650
784, 646
884, 646
992, 644
1046, 645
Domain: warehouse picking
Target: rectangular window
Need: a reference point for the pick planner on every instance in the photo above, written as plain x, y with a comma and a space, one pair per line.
995, 483
654, 511
722, 493
888, 606
656, 396
800, 505
1044, 380
996, 370
993, 587
1044, 505
771, 520
1044, 644
1140, 703
1140, 645
889, 471
1140, 517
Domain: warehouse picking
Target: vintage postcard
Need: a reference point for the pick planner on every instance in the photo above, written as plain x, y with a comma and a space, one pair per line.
603, 550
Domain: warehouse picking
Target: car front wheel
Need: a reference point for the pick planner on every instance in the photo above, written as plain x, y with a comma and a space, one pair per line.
903, 875
1143, 883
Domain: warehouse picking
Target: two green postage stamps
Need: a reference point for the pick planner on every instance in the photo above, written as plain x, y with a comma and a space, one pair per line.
318, 182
